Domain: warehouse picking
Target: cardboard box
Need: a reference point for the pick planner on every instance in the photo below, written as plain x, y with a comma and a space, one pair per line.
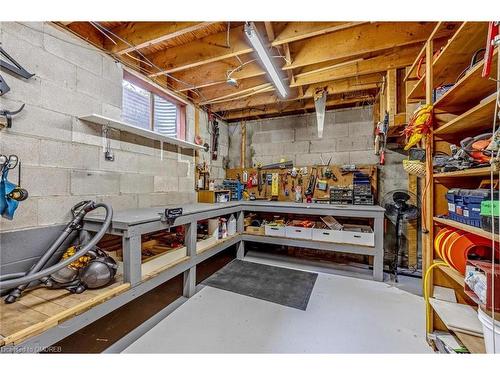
255, 230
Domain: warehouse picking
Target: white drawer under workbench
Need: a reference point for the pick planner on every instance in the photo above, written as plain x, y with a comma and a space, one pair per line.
327, 235
358, 235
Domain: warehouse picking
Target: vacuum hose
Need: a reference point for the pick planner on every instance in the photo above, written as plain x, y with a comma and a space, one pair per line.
13, 280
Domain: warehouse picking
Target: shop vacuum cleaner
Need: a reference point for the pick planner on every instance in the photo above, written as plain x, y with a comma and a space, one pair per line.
83, 266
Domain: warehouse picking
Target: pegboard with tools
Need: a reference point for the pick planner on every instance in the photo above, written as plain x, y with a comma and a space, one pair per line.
258, 181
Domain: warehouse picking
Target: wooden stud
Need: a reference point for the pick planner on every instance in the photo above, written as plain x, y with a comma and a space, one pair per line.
391, 84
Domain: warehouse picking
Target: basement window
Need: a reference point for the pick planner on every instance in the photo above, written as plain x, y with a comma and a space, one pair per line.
147, 107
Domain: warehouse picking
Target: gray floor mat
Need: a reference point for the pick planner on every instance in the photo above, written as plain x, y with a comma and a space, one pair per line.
283, 286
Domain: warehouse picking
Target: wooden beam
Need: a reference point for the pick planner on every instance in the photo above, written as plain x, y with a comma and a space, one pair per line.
295, 31
269, 31
333, 87
213, 47
381, 63
215, 73
292, 107
225, 90
202, 51
86, 32
391, 84
146, 34
358, 40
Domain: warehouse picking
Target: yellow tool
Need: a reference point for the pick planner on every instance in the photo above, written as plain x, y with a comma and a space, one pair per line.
275, 185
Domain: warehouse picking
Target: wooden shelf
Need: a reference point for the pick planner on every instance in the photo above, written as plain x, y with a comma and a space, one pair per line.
41, 308
472, 172
468, 91
474, 344
455, 57
480, 116
452, 273
468, 228
119, 125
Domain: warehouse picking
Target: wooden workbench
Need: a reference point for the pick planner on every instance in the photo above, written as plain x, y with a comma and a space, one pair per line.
43, 317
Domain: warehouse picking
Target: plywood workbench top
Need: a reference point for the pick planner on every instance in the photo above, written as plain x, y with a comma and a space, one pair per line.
151, 214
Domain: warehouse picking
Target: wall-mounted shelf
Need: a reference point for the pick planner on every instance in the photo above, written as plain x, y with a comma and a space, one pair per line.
452, 273
454, 57
469, 90
471, 172
474, 119
468, 228
119, 125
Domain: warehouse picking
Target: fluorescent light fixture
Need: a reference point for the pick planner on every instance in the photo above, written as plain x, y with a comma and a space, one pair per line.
254, 38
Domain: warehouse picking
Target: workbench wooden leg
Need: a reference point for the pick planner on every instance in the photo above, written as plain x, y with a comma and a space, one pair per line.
189, 282
190, 274
132, 259
240, 227
240, 222
240, 250
378, 259
190, 238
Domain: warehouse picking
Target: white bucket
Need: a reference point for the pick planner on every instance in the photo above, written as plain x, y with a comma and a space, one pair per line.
487, 322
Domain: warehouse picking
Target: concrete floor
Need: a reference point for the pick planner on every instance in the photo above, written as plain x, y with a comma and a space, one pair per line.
344, 315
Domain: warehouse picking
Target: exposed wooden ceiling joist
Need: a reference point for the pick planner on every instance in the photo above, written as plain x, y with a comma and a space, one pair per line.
295, 31
333, 87
358, 40
198, 56
202, 51
389, 60
146, 34
284, 108
215, 47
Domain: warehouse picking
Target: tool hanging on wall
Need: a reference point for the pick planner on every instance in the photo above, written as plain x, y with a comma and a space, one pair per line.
13, 67
381, 138
492, 40
320, 105
215, 135
275, 186
8, 115
281, 165
10, 193
4, 87
108, 153
311, 185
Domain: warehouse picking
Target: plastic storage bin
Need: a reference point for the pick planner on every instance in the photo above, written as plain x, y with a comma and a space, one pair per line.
326, 235
294, 231
274, 230
358, 235
488, 324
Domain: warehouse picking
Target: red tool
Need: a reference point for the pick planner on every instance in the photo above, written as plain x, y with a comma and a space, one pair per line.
492, 40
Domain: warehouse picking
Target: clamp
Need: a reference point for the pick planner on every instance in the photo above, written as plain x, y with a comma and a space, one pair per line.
169, 215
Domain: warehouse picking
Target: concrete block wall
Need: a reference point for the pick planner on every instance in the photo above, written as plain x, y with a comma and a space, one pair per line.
217, 167
347, 138
62, 157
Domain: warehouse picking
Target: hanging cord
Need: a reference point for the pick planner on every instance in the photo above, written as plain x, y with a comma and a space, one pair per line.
495, 118
426, 295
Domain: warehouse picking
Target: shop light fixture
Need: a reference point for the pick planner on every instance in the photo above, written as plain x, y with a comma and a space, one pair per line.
254, 38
